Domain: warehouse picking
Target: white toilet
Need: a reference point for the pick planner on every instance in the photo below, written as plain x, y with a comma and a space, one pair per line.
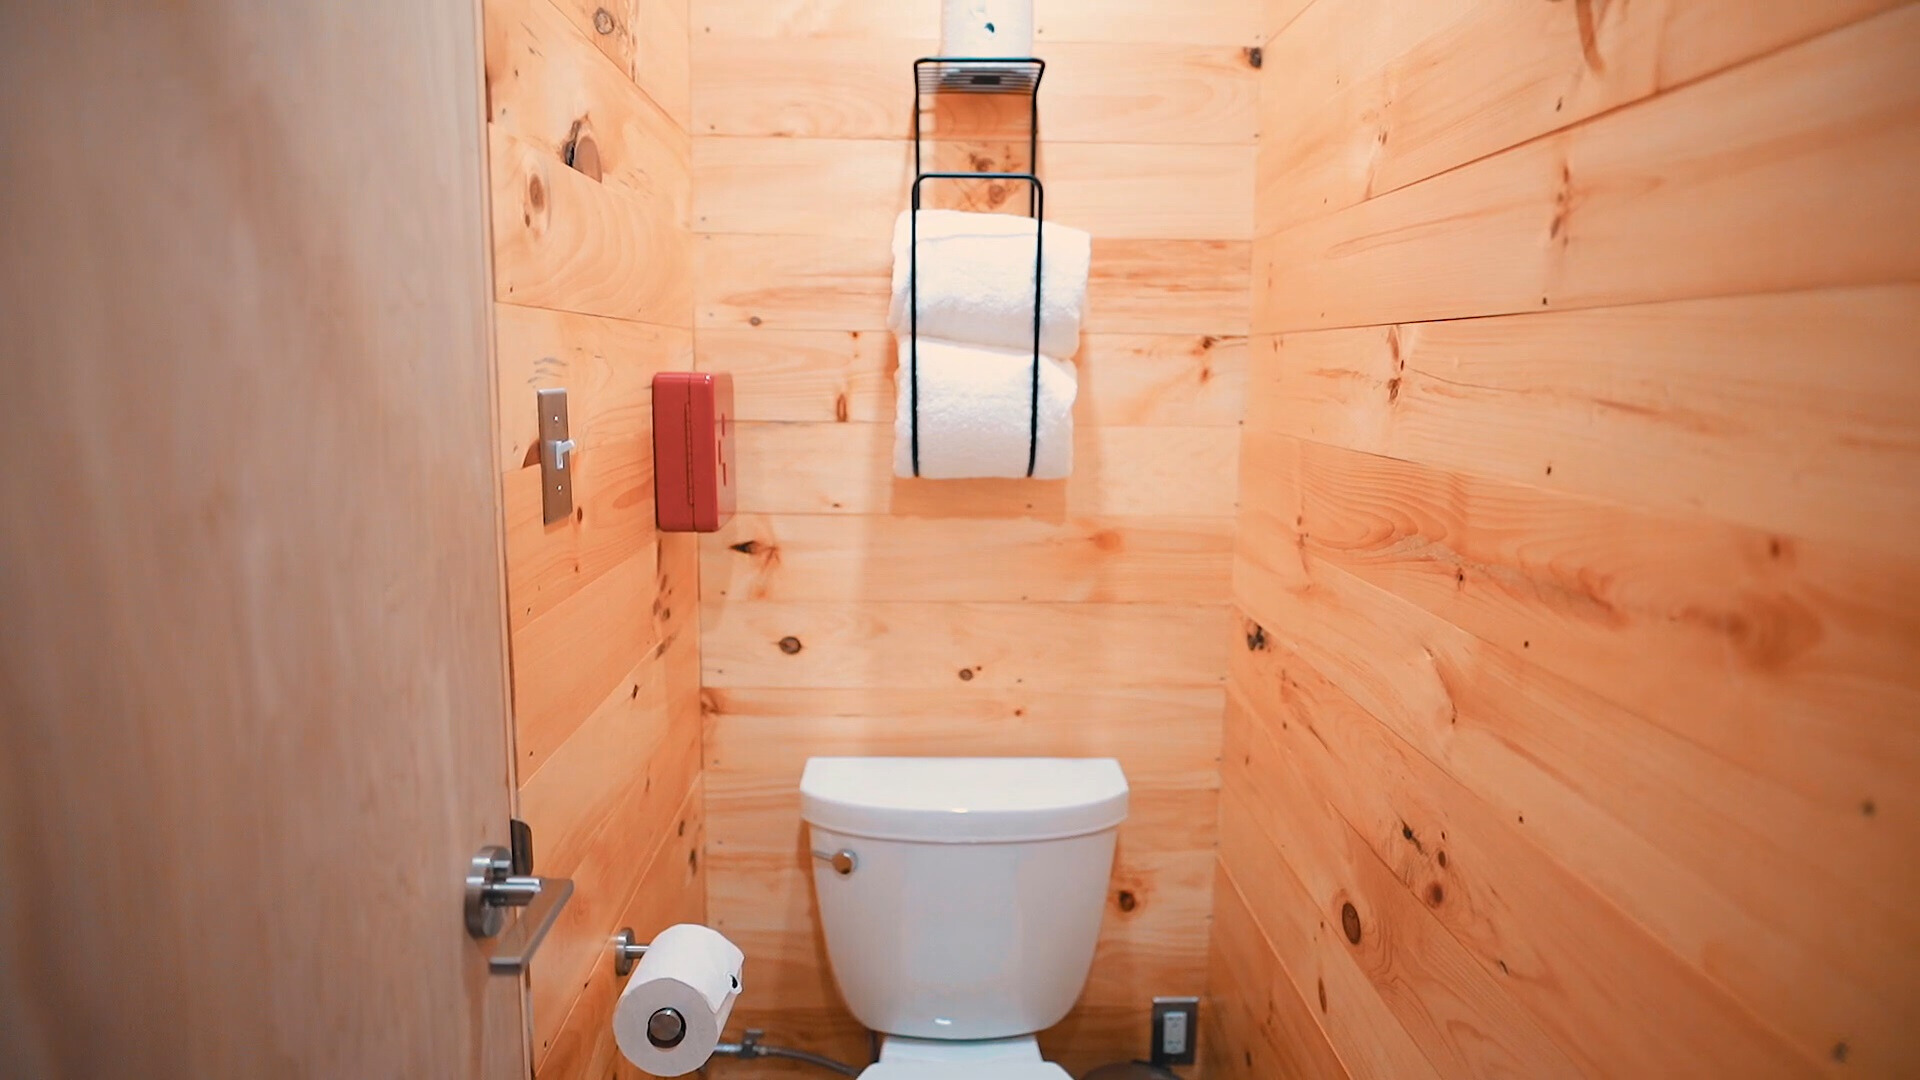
961, 899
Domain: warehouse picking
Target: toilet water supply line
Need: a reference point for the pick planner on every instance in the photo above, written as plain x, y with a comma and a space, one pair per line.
750, 1047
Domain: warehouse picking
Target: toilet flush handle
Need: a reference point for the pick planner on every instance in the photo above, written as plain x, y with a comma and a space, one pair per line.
844, 862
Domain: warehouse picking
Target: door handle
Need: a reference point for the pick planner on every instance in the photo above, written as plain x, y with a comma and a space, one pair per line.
498, 879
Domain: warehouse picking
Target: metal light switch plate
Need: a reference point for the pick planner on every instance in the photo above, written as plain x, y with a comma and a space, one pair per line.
556, 456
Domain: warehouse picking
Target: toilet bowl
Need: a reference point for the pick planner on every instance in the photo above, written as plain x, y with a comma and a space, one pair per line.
961, 900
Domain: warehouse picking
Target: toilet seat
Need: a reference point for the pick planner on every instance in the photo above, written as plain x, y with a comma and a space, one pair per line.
950, 1070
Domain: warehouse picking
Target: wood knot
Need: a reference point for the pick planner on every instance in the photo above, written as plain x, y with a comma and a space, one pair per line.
1350, 922
966, 674
603, 21
536, 194
1257, 638
753, 320
1127, 901
1256, 56
1435, 894
790, 645
747, 547
582, 154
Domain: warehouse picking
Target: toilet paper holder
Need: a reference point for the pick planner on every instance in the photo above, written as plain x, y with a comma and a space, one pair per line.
627, 951
666, 1027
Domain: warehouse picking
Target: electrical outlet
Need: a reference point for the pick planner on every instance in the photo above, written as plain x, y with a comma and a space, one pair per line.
1176, 1023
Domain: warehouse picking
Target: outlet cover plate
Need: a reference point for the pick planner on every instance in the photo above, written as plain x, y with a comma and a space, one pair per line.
1176, 1026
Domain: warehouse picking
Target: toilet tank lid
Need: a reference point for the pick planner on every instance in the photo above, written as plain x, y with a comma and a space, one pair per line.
963, 800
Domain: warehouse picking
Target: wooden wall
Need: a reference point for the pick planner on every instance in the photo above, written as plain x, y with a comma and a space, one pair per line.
1081, 617
591, 172
1574, 722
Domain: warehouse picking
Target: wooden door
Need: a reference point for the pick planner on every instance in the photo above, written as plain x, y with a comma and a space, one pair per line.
251, 674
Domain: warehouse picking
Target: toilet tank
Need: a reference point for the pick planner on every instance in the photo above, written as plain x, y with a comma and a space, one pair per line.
973, 894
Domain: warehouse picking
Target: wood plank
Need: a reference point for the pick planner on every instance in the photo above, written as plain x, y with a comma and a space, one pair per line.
564, 241
1560, 949
1275, 16
843, 283
569, 662
862, 88
1710, 190
1118, 471
606, 365
1763, 641
1828, 822
873, 557
548, 86
1168, 736
612, 523
600, 806
965, 647
1317, 964
858, 187
1404, 997
1686, 841
1429, 88
1205, 22
1132, 380
1256, 1025
671, 890
647, 42
1790, 413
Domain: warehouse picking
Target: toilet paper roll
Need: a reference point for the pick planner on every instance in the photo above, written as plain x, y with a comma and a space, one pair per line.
694, 971
986, 28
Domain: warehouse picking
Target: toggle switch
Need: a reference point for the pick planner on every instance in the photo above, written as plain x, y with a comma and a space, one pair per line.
556, 454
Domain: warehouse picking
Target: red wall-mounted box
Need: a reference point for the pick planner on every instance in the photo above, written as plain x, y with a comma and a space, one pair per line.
693, 459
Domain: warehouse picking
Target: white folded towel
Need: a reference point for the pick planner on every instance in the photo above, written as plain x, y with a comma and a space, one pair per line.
976, 281
975, 416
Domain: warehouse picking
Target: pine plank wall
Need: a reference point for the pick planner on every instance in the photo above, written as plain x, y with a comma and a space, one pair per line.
1501, 410
587, 124
1082, 617
1573, 721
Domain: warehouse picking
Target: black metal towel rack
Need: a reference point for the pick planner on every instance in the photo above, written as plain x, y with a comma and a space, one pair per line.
976, 75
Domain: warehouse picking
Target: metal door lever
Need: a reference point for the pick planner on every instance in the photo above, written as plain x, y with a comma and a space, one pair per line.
493, 886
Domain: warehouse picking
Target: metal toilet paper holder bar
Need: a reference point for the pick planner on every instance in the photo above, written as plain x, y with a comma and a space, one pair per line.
627, 951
